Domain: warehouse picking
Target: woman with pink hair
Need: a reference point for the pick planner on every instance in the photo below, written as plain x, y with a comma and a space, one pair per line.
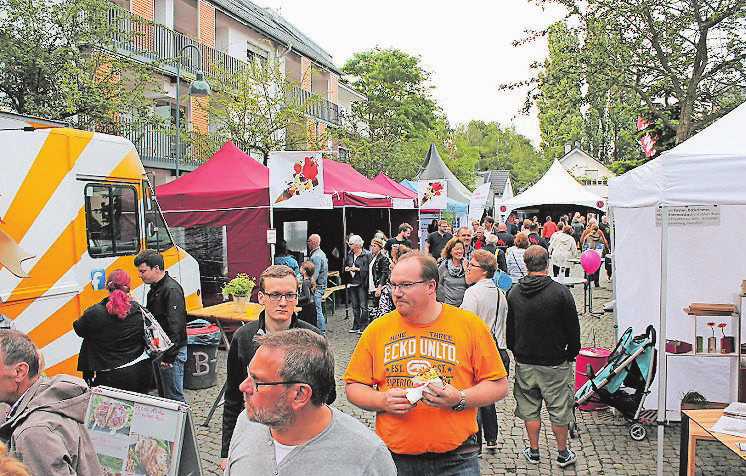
113, 348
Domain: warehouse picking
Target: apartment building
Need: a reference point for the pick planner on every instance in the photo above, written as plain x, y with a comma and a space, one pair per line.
230, 33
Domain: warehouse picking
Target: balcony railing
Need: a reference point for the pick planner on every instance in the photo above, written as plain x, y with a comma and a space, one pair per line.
151, 42
157, 145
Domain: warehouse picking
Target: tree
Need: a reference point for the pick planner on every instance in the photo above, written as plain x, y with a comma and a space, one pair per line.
257, 108
664, 53
389, 132
395, 85
492, 147
58, 63
559, 103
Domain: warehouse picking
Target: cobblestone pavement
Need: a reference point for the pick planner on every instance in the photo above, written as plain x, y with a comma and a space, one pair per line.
603, 446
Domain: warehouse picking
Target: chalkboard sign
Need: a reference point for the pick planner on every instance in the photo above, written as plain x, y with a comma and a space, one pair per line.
142, 435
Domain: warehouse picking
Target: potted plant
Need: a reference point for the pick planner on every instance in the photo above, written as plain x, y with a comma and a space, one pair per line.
240, 288
727, 343
712, 341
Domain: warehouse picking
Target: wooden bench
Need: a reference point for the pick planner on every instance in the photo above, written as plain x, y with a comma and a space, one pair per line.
329, 292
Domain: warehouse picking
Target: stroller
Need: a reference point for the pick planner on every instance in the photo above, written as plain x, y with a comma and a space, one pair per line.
624, 382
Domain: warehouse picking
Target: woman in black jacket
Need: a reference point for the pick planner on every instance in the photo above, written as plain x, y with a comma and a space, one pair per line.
379, 273
113, 348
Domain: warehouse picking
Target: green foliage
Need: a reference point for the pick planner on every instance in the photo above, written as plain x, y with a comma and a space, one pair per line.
642, 58
57, 64
241, 286
257, 108
559, 104
487, 146
391, 131
395, 85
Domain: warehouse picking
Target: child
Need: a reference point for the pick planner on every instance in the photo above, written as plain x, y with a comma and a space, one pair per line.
308, 288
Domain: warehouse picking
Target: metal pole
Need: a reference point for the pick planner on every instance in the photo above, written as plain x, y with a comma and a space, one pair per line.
662, 373
178, 112
178, 103
344, 259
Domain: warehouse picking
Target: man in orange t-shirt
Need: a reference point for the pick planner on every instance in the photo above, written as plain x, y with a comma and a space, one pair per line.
437, 434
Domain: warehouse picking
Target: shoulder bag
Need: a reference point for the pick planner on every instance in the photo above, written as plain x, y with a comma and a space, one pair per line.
156, 340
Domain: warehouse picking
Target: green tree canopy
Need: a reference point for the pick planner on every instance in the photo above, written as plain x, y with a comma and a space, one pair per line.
391, 131
57, 63
677, 63
257, 108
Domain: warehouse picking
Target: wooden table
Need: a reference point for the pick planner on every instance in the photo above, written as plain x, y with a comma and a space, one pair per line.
227, 311
697, 425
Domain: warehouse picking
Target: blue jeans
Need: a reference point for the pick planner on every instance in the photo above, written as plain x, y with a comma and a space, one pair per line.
437, 465
319, 314
170, 381
359, 300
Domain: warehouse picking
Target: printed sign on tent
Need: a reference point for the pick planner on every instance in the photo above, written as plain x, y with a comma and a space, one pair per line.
432, 194
478, 200
296, 179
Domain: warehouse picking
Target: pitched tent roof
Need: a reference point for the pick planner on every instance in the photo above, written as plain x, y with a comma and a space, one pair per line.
434, 168
558, 187
351, 188
229, 179
704, 169
388, 182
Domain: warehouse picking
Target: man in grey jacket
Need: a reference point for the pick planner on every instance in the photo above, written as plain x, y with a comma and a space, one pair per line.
44, 427
287, 427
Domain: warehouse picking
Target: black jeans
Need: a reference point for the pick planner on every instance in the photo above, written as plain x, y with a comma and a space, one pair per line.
359, 300
556, 270
487, 415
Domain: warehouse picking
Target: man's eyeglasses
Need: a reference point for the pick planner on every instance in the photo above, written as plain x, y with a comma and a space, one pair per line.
261, 384
278, 296
469, 264
406, 286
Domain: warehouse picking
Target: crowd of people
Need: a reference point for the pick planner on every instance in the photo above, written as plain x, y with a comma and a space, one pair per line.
437, 315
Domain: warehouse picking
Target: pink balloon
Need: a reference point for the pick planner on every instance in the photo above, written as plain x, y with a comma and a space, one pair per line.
590, 261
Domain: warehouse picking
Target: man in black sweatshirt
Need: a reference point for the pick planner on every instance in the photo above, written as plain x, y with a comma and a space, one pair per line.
543, 332
278, 293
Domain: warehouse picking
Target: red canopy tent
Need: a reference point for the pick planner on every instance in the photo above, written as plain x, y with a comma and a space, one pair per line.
351, 188
391, 184
229, 190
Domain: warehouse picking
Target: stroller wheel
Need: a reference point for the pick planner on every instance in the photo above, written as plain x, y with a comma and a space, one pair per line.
638, 432
573, 429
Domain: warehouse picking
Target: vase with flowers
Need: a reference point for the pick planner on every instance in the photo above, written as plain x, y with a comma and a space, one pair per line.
240, 288
727, 343
712, 342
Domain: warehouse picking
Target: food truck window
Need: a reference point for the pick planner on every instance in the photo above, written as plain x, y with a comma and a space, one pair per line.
111, 220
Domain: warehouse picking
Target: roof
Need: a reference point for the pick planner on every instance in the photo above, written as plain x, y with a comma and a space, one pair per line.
433, 167
706, 169
229, 179
557, 186
498, 179
271, 24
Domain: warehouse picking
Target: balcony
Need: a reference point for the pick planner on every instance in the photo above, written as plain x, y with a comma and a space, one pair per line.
153, 43
157, 146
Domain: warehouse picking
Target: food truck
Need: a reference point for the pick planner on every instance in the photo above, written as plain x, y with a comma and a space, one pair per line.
74, 206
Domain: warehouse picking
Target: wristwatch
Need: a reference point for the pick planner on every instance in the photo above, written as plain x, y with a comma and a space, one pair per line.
461, 403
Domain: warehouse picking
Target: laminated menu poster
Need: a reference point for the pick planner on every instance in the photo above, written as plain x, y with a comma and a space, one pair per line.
141, 435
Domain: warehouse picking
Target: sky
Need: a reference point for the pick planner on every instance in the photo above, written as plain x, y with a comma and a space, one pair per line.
466, 46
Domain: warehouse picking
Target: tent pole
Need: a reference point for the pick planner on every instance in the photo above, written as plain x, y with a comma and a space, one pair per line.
272, 225
344, 258
663, 379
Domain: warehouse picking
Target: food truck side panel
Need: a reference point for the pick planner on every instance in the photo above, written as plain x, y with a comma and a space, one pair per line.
74, 206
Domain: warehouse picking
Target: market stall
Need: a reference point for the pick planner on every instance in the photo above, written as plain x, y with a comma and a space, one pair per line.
697, 256
556, 193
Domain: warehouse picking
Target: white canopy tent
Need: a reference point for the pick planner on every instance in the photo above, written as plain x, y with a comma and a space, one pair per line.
705, 262
698, 187
557, 186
